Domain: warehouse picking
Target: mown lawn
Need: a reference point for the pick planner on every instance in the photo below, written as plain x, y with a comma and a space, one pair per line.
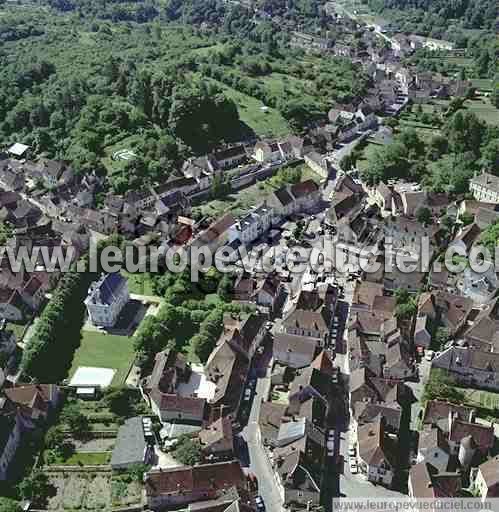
104, 350
85, 459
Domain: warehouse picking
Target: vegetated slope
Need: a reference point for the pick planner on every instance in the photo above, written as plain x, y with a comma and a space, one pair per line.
475, 14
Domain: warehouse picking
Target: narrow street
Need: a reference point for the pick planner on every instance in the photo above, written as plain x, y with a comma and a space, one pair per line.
417, 388
259, 464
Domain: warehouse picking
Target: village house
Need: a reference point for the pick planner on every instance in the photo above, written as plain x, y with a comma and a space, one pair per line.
161, 392
318, 163
486, 479
132, 445
312, 314
289, 200
217, 442
485, 187
227, 368
266, 292
182, 485
10, 425
366, 387
482, 333
266, 152
10, 178
106, 299
12, 306
376, 452
244, 332
470, 367
19, 150
254, 223
230, 157
309, 42
22, 409
365, 413
425, 482
294, 351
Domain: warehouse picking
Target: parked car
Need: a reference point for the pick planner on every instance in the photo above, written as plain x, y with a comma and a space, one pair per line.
429, 355
351, 450
260, 505
247, 395
354, 469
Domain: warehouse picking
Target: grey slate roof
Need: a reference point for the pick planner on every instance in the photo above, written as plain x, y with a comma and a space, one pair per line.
130, 444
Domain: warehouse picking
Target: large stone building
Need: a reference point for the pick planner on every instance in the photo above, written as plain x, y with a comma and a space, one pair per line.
106, 298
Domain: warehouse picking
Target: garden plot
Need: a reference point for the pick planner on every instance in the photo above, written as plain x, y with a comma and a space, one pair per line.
92, 491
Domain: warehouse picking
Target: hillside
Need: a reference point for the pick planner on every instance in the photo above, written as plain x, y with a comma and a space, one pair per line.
431, 16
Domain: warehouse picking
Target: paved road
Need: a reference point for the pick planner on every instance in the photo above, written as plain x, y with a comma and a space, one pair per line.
258, 462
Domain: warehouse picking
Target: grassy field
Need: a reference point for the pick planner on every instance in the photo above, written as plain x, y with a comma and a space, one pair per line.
267, 122
117, 166
85, 459
105, 351
17, 329
482, 84
277, 83
483, 110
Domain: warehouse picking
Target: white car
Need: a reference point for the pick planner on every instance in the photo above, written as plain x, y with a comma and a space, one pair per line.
429, 355
260, 505
351, 451
354, 469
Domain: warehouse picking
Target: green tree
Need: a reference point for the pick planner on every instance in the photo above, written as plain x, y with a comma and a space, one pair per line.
35, 487
119, 401
188, 451
54, 437
441, 386
489, 237
136, 471
441, 337
347, 162
76, 421
385, 162
466, 218
8, 505
495, 92
423, 216
226, 287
